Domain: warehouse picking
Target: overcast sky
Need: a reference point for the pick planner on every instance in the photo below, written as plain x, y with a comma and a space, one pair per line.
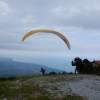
78, 20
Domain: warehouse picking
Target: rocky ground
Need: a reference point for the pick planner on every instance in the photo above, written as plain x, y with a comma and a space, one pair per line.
55, 86
87, 86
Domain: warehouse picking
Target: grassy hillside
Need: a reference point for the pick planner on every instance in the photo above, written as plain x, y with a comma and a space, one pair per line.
47, 87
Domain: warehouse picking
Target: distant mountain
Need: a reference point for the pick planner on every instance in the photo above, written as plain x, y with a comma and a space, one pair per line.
8, 68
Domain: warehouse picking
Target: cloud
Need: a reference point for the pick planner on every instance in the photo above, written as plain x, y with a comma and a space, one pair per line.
77, 20
4, 9
77, 17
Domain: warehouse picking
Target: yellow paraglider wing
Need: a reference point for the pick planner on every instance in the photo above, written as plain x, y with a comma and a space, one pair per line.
48, 31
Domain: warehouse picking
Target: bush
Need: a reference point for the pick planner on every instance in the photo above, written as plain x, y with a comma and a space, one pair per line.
9, 78
52, 73
98, 74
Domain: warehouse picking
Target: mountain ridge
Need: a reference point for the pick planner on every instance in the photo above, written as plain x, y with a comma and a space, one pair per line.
8, 68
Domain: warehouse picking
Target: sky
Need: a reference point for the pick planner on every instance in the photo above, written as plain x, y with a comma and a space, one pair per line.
77, 20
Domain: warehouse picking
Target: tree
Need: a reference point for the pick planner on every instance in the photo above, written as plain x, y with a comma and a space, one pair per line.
86, 61
83, 66
79, 64
88, 68
74, 64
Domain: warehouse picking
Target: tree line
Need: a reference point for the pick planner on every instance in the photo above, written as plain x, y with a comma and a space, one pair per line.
85, 66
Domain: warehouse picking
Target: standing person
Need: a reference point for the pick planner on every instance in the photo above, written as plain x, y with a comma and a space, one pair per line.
43, 71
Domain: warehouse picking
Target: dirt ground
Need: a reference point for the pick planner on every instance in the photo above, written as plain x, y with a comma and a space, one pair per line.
87, 86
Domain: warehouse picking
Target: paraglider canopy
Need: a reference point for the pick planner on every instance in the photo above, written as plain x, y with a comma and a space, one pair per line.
48, 31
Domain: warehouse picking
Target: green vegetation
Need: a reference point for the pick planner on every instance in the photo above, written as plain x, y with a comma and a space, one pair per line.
74, 97
54, 73
26, 88
85, 66
8, 78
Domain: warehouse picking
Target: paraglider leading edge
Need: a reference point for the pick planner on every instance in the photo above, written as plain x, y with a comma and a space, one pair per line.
48, 31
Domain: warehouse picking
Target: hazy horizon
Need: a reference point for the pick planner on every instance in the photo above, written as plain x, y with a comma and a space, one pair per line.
58, 62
